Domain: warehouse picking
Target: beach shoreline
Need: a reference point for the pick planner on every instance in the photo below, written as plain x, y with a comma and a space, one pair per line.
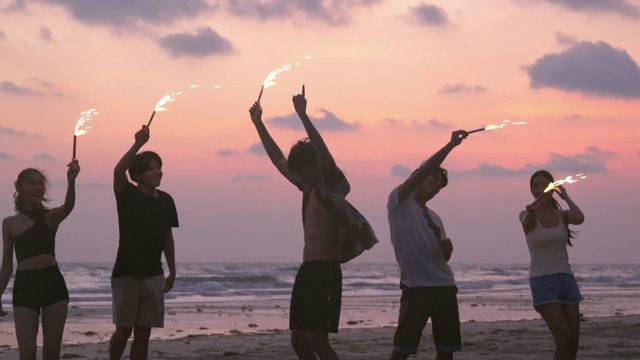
257, 329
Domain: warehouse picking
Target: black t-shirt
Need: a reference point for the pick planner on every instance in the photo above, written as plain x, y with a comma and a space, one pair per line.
144, 223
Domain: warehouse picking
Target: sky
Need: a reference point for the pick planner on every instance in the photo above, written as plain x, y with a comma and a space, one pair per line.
386, 82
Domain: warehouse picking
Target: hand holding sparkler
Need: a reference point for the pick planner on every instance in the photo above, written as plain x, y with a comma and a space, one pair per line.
300, 102
142, 135
562, 192
457, 137
73, 170
256, 112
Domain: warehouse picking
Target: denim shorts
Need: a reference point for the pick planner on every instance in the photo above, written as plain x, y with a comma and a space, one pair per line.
555, 288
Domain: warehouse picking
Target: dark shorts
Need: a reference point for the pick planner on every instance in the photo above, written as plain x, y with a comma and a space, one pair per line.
417, 305
555, 288
316, 296
37, 289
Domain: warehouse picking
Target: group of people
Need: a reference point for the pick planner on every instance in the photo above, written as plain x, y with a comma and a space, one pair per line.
146, 216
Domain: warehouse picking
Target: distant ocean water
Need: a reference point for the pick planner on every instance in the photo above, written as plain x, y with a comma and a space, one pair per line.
89, 283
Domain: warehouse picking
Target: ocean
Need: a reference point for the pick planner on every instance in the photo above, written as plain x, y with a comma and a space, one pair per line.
89, 283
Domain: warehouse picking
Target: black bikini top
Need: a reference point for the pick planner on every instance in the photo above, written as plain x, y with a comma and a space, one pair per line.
37, 240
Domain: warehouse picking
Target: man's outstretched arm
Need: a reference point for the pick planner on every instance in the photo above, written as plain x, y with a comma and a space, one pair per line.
430, 165
273, 150
120, 171
325, 159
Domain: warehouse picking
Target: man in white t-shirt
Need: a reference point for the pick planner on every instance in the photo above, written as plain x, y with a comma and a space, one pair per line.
422, 251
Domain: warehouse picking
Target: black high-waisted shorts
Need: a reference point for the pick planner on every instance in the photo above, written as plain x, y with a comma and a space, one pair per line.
37, 289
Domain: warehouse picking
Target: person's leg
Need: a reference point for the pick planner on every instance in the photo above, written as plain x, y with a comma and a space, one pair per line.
300, 345
399, 356
415, 310
150, 314
446, 322
54, 318
444, 355
315, 309
55, 302
572, 317
318, 340
26, 323
554, 317
125, 304
140, 345
118, 342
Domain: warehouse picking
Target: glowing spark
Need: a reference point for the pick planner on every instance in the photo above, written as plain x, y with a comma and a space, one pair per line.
167, 98
497, 126
85, 117
270, 80
568, 180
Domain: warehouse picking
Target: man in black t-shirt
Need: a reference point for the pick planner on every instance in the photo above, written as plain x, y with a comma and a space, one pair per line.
146, 216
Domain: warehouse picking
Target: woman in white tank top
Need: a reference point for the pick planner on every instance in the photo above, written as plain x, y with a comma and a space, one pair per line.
553, 286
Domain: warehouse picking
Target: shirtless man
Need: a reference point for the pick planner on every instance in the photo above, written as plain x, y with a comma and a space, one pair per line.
317, 291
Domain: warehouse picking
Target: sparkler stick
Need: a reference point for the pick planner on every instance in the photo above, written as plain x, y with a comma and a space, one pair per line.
261, 91
476, 130
151, 119
75, 138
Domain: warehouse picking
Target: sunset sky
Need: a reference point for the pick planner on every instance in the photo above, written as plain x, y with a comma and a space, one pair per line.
386, 82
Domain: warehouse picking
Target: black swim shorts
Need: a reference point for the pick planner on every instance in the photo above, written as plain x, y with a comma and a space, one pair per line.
317, 296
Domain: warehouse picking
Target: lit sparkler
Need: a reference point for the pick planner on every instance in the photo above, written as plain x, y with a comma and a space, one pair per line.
498, 126
81, 127
167, 98
270, 80
554, 185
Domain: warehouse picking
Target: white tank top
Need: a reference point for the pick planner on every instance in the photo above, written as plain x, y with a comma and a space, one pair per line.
548, 250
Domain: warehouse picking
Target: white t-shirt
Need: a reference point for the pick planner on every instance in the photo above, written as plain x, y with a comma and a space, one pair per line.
421, 261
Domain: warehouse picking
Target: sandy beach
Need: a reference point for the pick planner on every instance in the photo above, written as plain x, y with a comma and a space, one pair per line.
502, 326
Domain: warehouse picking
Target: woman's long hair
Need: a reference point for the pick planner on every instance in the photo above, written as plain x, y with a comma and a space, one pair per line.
23, 177
556, 205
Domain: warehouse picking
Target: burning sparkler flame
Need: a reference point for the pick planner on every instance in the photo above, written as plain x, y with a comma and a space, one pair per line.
568, 180
171, 97
554, 185
85, 117
497, 126
167, 98
270, 80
